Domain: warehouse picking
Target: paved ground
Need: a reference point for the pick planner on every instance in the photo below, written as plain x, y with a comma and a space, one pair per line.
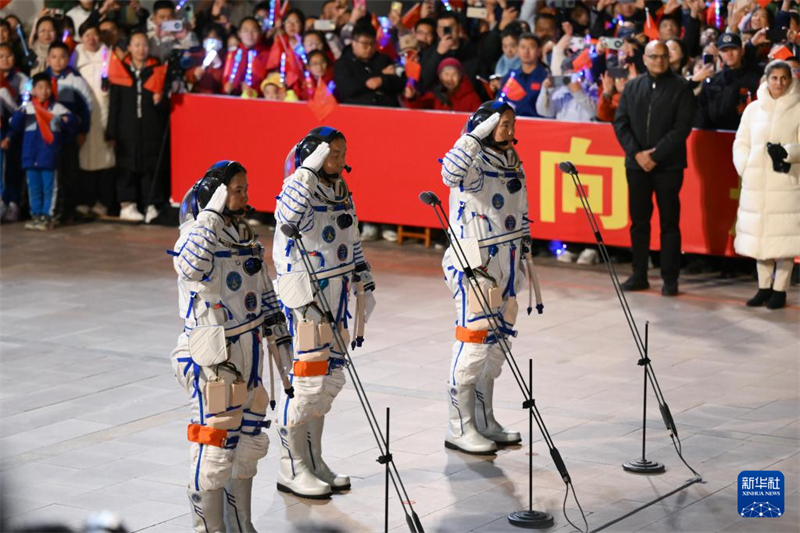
91, 417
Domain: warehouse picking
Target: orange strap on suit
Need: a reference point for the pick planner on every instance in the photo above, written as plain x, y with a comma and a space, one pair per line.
207, 435
310, 368
468, 335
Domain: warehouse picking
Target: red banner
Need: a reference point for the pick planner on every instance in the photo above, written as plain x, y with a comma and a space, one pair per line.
394, 154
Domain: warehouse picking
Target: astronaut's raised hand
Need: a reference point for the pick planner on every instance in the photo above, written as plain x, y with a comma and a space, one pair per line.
217, 202
485, 128
317, 157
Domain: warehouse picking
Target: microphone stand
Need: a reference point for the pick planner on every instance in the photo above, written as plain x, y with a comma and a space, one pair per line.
412, 520
534, 520
638, 465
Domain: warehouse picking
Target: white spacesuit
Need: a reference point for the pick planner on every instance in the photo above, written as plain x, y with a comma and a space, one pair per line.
227, 302
319, 203
488, 202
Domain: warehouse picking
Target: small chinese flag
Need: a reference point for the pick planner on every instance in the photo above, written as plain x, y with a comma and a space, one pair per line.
582, 60
412, 17
487, 87
512, 89
155, 84
413, 70
764, 3
43, 118
782, 53
323, 103
4, 3
118, 74
650, 27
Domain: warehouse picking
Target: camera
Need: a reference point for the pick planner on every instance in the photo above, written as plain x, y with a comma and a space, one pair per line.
612, 43
172, 26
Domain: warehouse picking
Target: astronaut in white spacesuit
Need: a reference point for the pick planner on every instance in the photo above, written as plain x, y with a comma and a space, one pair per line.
228, 303
316, 199
488, 202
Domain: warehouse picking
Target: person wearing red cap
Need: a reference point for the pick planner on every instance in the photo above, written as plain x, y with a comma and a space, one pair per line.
452, 93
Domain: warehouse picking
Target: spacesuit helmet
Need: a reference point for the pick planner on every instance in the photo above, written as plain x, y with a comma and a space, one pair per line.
486, 110
306, 147
196, 198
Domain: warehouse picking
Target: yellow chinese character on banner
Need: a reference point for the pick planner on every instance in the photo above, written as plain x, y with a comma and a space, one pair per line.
617, 218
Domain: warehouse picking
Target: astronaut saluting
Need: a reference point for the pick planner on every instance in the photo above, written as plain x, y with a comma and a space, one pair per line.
488, 202
316, 199
227, 302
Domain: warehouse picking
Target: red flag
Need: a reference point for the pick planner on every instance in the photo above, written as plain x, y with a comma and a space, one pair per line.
650, 27
43, 118
5, 85
764, 3
413, 70
155, 84
118, 74
412, 17
323, 103
512, 89
582, 60
487, 87
4, 3
782, 53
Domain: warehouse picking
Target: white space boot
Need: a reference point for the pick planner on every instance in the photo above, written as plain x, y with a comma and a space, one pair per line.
129, 212
238, 516
487, 424
295, 472
207, 511
336, 481
462, 434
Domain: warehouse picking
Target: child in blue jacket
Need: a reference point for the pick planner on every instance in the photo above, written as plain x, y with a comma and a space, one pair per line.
43, 123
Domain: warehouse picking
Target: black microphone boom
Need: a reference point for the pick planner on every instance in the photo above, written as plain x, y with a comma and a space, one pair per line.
567, 167
290, 230
429, 198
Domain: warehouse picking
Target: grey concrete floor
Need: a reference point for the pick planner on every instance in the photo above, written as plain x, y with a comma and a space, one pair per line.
91, 417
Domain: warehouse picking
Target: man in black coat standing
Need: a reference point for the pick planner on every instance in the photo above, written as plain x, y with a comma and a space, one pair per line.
364, 76
653, 120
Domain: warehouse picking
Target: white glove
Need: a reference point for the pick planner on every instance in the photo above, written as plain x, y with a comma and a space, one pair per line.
218, 200
318, 157
485, 128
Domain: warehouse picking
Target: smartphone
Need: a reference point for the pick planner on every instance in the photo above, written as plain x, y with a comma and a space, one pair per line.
477, 13
777, 34
618, 72
397, 7
172, 26
324, 25
577, 43
612, 43
447, 30
560, 81
708, 59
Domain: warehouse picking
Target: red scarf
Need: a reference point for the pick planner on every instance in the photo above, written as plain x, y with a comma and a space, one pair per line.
43, 119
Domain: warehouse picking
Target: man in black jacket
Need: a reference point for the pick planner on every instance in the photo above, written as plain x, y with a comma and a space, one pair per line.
723, 98
364, 76
451, 44
653, 120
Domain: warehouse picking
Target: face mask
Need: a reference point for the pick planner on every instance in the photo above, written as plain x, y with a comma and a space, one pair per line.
212, 44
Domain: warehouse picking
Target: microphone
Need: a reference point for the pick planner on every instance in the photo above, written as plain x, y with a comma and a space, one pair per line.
568, 167
290, 230
429, 198
348, 169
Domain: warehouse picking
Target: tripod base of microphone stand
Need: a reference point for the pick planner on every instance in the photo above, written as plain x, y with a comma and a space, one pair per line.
645, 466
531, 519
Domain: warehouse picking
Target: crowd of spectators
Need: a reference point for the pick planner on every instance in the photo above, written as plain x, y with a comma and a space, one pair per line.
112, 65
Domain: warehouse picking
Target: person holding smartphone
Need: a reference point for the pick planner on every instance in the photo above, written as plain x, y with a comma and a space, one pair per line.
166, 32
725, 95
451, 44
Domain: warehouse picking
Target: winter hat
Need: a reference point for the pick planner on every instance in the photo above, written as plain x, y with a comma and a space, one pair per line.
450, 62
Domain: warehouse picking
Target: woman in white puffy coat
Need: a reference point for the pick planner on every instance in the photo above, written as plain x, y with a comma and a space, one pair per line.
766, 154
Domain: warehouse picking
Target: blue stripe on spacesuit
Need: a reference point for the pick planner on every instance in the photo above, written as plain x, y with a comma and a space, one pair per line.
452, 162
253, 381
455, 363
286, 404
191, 265
197, 471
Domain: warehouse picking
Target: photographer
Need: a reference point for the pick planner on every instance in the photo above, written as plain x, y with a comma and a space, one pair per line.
166, 32
452, 43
